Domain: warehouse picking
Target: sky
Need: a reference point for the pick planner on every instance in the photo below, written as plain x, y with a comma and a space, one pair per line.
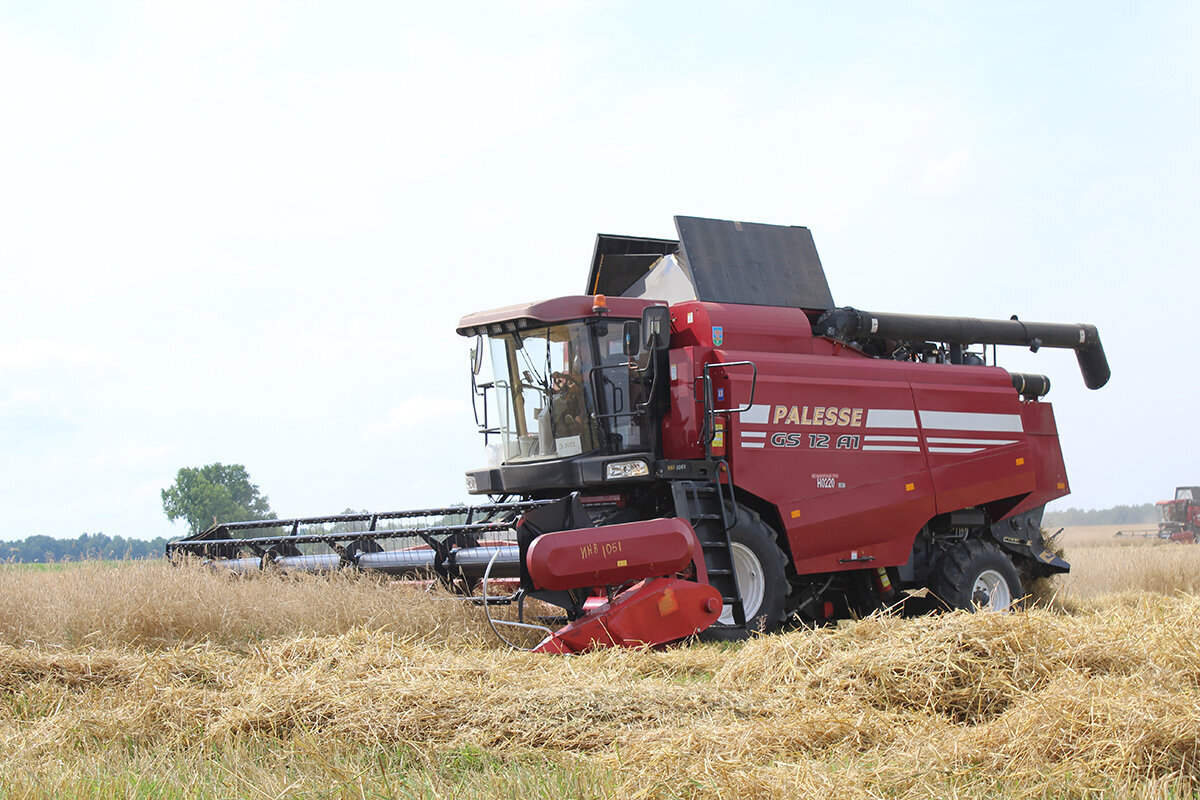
245, 231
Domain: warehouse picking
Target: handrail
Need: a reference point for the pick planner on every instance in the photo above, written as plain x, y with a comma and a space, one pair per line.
708, 429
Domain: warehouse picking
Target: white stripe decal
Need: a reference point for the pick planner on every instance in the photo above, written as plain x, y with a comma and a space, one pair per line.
891, 418
756, 415
891, 448
889, 439
963, 450
753, 444
971, 421
754, 434
940, 440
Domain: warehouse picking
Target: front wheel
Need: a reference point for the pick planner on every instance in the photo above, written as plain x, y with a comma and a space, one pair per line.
758, 564
976, 575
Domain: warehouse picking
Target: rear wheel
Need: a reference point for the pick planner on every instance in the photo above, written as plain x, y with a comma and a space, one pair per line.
758, 564
977, 575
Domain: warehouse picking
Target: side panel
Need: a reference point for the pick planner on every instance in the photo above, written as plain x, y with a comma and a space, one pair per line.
1046, 453
711, 332
833, 443
681, 425
856, 453
974, 433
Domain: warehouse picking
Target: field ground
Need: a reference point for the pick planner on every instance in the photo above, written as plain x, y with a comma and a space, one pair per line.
154, 681
1104, 535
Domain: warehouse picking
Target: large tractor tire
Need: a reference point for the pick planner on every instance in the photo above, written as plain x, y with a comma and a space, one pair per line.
759, 565
976, 575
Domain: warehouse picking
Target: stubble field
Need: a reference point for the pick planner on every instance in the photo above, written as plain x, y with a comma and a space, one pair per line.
154, 681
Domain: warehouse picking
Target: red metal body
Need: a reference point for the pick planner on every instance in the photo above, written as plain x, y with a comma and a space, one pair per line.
613, 554
655, 611
856, 453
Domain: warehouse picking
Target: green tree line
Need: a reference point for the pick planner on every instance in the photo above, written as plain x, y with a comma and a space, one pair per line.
46, 549
1117, 515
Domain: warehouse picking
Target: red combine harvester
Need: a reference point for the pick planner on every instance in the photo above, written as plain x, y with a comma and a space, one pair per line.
704, 442
1178, 519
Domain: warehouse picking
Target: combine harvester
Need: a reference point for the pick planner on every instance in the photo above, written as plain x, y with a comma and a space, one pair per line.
1178, 519
704, 442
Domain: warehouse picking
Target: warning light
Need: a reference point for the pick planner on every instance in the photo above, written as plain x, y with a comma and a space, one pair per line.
600, 305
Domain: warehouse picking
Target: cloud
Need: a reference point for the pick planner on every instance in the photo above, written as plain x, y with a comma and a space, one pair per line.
130, 455
35, 353
35, 415
415, 413
944, 175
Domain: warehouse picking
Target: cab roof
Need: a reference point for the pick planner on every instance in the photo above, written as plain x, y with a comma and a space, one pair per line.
558, 309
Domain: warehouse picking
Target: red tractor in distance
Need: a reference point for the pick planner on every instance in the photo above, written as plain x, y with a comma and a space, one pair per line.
704, 441
1179, 519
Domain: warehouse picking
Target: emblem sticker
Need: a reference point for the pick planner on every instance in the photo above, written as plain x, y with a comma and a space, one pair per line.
718, 335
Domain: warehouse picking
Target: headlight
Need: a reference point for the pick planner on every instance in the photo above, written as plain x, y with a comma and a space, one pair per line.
470, 483
626, 469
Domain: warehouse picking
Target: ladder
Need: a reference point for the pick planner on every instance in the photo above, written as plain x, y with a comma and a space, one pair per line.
702, 504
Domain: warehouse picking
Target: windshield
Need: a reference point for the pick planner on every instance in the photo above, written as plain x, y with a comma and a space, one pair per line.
564, 390
1173, 511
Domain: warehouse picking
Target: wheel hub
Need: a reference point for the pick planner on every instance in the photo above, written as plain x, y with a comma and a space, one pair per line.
991, 591
750, 580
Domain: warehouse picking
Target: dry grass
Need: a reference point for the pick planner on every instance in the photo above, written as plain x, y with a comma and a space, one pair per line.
1074, 536
152, 604
154, 681
1102, 565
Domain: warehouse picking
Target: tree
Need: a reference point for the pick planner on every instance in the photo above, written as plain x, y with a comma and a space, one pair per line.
214, 493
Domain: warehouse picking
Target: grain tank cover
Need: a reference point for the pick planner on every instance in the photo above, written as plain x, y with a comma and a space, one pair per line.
716, 261
752, 263
620, 261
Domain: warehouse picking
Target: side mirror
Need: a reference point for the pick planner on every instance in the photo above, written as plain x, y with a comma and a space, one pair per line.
632, 337
656, 327
477, 356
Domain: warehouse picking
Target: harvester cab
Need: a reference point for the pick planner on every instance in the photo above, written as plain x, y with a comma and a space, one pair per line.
1179, 519
704, 442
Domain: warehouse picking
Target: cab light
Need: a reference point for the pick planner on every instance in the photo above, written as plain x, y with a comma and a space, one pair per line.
626, 469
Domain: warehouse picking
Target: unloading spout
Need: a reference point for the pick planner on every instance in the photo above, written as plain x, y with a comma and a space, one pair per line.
851, 325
